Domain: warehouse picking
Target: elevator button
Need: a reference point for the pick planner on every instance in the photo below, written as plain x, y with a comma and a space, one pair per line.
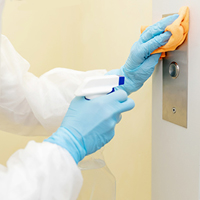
174, 70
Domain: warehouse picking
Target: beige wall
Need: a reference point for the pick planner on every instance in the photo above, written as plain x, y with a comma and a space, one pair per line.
85, 35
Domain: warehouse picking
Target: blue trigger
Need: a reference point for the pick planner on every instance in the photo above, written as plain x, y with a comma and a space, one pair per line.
121, 80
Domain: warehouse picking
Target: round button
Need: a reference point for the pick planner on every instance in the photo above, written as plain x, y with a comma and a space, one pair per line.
174, 70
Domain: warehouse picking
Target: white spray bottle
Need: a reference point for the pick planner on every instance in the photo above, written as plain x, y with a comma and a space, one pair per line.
98, 181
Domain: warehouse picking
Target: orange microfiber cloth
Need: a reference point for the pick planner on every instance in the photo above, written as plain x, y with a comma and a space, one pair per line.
179, 29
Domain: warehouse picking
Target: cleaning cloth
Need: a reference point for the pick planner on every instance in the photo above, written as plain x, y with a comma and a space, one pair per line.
179, 29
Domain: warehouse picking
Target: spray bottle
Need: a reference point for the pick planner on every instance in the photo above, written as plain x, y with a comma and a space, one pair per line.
98, 182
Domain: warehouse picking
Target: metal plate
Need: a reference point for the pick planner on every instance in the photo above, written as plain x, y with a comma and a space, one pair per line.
168, 14
175, 90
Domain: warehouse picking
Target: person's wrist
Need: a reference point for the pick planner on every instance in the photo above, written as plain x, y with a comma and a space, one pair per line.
64, 138
132, 81
129, 85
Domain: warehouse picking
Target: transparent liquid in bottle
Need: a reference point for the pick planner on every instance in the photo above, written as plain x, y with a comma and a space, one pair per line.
98, 181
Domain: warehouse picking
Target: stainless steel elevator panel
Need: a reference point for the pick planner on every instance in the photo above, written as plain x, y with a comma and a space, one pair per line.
175, 85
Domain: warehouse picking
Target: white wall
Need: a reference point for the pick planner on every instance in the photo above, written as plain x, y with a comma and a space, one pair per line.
175, 153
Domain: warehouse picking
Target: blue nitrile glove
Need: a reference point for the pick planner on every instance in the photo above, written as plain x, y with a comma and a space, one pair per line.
89, 124
140, 64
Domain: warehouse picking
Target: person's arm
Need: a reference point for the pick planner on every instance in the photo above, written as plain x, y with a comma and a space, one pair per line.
41, 171
48, 170
30, 105
140, 63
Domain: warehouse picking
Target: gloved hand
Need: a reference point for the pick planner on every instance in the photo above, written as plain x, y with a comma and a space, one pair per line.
89, 125
140, 64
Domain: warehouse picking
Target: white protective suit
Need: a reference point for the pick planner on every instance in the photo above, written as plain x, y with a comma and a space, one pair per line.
36, 106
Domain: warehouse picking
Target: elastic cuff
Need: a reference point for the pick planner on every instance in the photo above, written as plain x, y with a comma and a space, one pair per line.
66, 140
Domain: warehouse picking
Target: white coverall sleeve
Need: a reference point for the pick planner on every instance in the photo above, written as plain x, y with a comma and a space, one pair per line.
41, 171
30, 105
